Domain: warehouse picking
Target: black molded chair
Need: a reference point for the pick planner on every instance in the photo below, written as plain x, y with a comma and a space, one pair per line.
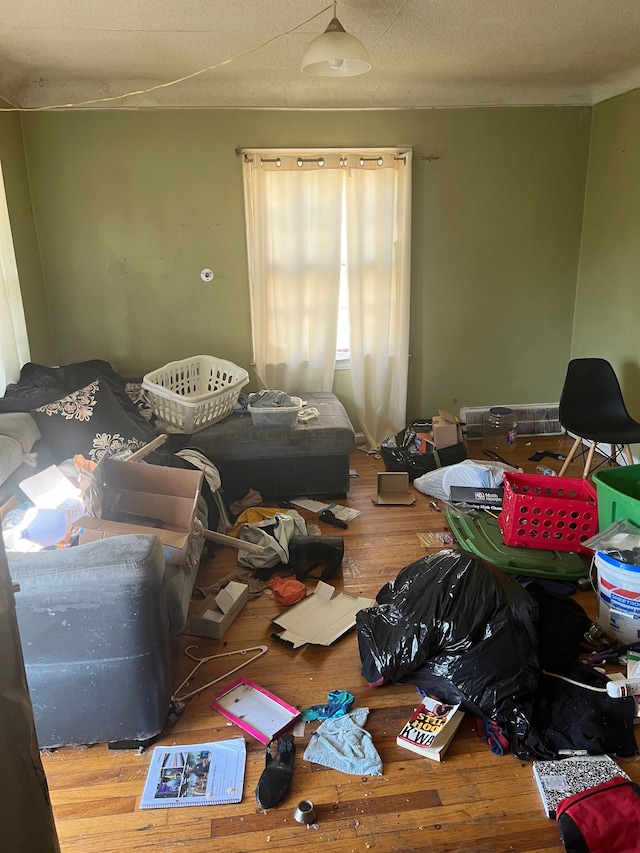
592, 408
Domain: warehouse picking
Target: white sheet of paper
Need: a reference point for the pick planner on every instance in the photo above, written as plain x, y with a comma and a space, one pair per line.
307, 503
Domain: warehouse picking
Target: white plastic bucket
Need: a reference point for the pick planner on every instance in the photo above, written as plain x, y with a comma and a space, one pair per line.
618, 598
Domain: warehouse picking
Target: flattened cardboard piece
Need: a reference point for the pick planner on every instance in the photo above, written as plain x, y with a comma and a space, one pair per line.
254, 709
320, 618
167, 495
214, 614
393, 488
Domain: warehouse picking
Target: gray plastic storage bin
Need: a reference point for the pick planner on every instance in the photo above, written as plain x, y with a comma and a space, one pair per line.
278, 416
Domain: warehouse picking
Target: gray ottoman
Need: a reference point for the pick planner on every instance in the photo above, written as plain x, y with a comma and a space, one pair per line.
308, 459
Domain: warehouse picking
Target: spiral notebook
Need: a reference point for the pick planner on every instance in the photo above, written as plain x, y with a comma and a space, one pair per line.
560, 778
202, 774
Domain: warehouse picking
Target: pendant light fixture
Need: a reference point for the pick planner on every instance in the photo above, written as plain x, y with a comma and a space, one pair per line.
336, 53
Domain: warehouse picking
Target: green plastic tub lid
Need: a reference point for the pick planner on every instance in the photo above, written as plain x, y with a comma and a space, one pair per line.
480, 533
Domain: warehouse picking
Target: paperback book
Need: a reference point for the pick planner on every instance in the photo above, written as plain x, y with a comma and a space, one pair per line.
430, 728
562, 777
202, 774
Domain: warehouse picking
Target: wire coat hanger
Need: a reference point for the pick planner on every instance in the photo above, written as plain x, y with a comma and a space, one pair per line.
260, 649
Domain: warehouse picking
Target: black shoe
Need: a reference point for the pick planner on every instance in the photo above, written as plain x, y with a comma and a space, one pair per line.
276, 776
307, 553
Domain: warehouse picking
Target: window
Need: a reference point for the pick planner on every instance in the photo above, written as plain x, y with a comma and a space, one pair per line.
14, 345
328, 241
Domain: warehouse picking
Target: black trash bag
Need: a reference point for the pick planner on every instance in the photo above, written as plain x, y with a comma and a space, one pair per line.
399, 453
458, 628
562, 625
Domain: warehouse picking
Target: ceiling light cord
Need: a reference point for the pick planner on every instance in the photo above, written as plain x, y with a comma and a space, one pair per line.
170, 82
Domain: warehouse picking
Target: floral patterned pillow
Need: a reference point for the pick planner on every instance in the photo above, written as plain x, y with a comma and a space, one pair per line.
91, 422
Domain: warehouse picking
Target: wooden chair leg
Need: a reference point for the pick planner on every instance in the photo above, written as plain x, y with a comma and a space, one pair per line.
627, 453
587, 464
572, 453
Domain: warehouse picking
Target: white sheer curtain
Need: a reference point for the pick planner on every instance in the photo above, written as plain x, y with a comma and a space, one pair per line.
294, 205
293, 220
378, 205
14, 345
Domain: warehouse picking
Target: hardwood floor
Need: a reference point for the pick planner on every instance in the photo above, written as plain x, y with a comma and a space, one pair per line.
472, 802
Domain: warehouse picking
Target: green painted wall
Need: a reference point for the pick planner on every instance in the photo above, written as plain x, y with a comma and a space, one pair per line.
130, 206
23, 232
608, 294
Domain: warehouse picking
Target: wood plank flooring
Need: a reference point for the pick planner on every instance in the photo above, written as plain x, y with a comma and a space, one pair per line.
472, 802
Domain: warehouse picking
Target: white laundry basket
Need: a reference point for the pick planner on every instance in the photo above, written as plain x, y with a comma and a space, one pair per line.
194, 393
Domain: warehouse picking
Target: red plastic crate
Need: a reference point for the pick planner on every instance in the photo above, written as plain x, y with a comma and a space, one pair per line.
551, 513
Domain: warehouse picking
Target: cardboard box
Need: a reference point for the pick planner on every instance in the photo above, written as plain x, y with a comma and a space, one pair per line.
446, 430
321, 617
142, 498
393, 488
215, 613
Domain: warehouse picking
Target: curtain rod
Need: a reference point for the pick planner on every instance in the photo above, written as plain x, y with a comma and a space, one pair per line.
320, 160
334, 149
293, 152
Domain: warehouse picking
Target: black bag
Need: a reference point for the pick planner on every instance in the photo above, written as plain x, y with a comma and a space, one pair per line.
399, 453
456, 627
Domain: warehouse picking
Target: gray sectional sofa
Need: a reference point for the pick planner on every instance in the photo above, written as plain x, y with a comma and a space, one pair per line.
98, 622
95, 629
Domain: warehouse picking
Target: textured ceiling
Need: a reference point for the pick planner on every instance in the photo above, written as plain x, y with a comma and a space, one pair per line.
424, 53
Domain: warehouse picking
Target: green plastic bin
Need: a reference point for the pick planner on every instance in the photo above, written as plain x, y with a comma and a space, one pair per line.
618, 491
480, 533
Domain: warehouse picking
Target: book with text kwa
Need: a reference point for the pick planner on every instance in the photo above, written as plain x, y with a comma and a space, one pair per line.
430, 729
561, 778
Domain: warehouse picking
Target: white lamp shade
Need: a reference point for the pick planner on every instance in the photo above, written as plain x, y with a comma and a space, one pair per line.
336, 54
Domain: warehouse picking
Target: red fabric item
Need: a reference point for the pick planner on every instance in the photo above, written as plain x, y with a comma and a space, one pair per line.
602, 819
287, 590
